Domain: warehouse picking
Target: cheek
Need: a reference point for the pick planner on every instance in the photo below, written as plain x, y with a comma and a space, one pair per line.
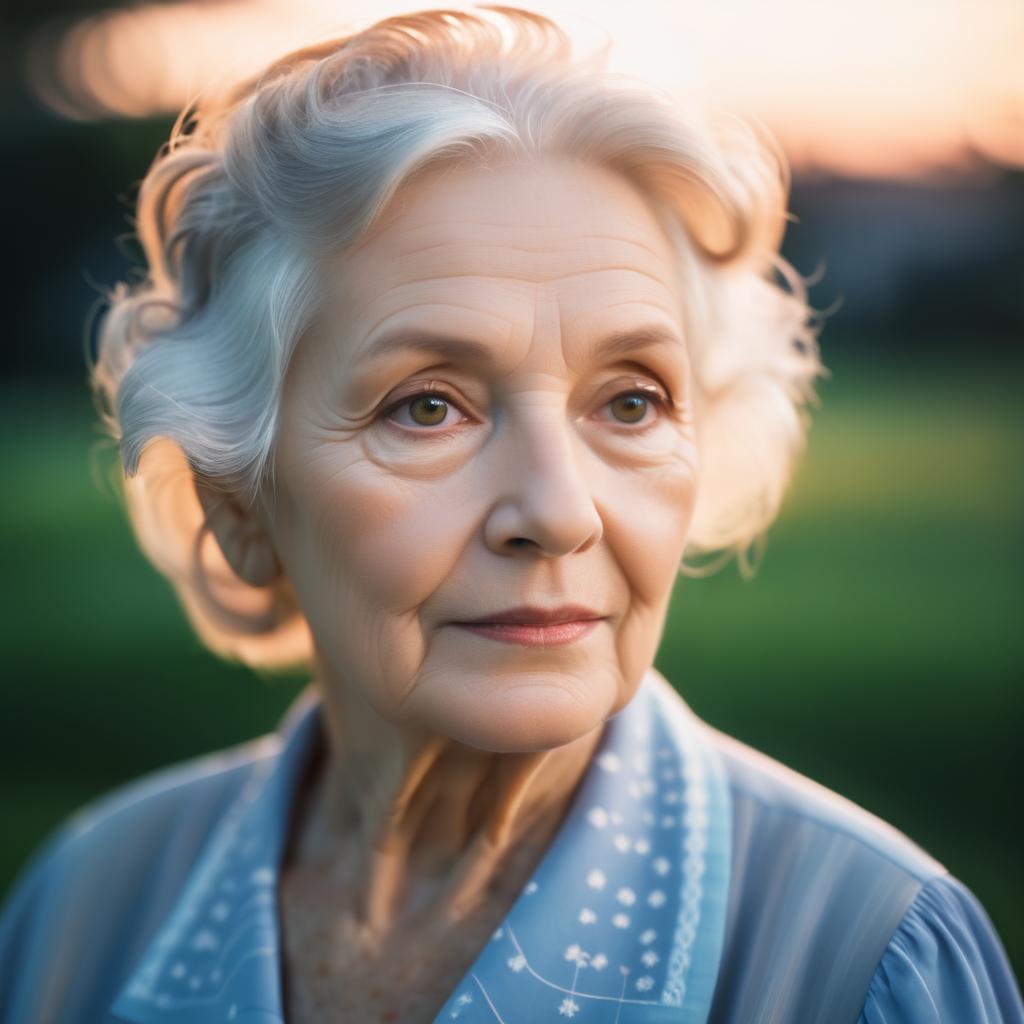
647, 525
365, 550
384, 542
647, 522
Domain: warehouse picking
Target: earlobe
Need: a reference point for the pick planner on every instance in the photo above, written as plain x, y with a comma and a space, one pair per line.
244, 542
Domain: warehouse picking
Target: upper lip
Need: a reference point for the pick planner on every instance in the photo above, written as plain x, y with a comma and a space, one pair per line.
526, 614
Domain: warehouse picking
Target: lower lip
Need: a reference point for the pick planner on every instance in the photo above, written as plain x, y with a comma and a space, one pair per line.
532, 635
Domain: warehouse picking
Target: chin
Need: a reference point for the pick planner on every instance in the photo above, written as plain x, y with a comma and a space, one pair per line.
538, 712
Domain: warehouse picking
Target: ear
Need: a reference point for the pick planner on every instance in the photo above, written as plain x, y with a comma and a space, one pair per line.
243, 539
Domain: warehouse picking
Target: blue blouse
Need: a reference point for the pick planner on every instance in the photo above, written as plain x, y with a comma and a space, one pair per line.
693, 880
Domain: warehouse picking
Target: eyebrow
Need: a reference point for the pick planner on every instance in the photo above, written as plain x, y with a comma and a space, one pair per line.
469, 349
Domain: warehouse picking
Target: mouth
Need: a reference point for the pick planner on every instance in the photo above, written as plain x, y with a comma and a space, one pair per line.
535, 627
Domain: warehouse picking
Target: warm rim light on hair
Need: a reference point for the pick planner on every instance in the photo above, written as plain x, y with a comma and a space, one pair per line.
259, 183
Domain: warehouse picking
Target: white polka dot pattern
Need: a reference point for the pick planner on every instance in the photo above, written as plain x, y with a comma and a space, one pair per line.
614, 924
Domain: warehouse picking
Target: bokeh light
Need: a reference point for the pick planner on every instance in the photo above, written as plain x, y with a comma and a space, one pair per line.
868, 89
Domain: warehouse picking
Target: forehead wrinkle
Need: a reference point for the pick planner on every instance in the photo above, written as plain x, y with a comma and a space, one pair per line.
490, 311
562, 325
406, 310
583, 242
544, 264
669, 312
511, 275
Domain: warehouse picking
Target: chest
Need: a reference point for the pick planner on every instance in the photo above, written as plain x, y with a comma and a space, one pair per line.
331, 976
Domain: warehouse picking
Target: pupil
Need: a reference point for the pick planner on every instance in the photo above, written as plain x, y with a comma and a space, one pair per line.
435, 409
635, 404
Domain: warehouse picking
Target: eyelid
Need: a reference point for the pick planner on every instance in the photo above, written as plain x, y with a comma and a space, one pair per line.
645, 385
648, 384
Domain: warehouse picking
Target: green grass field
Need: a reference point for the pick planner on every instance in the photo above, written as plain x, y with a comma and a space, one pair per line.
879, 649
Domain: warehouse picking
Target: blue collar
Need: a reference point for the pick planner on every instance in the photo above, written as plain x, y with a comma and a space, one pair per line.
622, 922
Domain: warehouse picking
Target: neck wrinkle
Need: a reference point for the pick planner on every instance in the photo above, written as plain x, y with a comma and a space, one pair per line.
432, 820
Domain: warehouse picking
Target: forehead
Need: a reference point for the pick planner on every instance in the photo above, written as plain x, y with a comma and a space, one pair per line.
484, 250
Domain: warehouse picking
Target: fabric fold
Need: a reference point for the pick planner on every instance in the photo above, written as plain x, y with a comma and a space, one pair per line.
944, 964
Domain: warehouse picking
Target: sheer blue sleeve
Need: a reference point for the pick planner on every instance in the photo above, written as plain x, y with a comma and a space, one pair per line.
944, 963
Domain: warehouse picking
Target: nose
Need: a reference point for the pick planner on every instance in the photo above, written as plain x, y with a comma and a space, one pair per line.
546, 501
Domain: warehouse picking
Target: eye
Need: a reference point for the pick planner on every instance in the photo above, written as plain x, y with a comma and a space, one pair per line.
630, 406
431, 407
427, 408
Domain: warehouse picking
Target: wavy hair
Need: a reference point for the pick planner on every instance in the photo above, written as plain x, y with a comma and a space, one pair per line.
260, 181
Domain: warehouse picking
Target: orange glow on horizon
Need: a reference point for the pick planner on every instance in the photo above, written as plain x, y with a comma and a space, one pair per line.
868, 88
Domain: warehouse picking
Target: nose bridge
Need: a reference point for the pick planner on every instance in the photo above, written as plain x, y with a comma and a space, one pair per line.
544, 482
544, 443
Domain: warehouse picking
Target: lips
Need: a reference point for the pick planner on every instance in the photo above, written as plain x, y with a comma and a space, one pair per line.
531, 615
532, 626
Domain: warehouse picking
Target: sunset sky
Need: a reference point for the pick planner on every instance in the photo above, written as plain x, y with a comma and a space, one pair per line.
872, 87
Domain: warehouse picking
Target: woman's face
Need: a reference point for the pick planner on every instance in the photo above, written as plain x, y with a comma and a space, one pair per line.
493, 411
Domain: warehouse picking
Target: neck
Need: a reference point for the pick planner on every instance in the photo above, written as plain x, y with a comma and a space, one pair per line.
424, 824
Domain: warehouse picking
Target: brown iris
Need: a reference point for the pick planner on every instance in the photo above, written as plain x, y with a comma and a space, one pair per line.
633, 407
433, 407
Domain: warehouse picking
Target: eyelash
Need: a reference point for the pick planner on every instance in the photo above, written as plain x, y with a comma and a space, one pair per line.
658, 398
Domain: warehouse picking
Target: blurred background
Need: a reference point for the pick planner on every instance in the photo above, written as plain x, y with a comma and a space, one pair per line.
879, 649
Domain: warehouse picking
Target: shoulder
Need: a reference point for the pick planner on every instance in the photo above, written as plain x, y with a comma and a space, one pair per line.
944, 962
818, 886
773, 804
174, 805
84, 905
834, 914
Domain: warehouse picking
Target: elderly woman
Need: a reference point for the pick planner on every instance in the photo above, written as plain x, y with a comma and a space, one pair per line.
452, 347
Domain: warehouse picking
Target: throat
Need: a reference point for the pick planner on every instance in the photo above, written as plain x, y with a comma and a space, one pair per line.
453, 837
404, 905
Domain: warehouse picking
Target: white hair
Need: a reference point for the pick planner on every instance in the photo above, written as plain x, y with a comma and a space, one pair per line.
259, 183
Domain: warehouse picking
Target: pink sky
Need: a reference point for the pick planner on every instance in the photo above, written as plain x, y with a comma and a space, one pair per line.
865, 87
